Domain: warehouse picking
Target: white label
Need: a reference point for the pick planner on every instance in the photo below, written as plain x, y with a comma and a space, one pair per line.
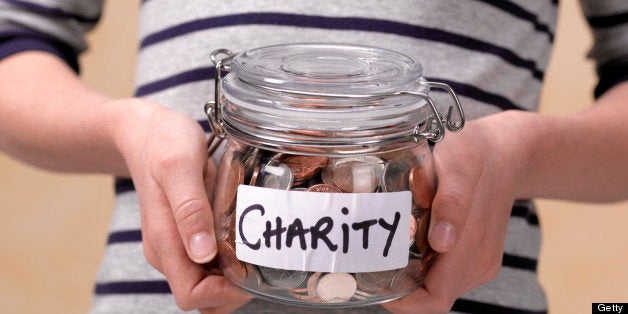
323, 232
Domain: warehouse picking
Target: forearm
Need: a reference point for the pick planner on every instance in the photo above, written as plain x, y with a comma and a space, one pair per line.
51, 119
583, 156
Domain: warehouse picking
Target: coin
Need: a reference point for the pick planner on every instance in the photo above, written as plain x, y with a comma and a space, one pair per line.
304, 167
236, 175
327, 175
227, 183
324, 188
312, 282
253, 278
277, 176
406, 279
374, 282
422, 187
376, 163
413, 227
283, 278
232, 227
254, 175
355, 177
420, 237
336, 287
396, 177
230, 264
252, 159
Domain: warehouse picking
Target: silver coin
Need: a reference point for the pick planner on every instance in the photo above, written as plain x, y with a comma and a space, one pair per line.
396, 177
282, 278
253, 278
374, 282
277, 176
376, 163
336, 287
408, 278
327, 175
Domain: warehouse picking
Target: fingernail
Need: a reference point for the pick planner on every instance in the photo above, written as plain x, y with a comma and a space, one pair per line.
202, 248
443, 235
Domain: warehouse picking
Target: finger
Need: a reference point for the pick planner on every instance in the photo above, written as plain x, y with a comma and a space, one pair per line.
182, 179
439, 291
190, 284
457, 180
435, 296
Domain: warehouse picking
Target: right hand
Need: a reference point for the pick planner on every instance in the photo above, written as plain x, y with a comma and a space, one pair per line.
166, 155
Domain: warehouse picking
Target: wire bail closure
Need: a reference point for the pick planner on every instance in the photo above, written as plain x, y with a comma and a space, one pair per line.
212, 109
432, 129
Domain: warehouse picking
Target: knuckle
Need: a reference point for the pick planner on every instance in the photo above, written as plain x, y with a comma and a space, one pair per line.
168, 160
183, 296
489, 266
191, 214
184, 302
453, 200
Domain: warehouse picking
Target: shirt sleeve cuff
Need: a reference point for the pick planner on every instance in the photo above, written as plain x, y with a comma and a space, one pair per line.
13, 45
611, 74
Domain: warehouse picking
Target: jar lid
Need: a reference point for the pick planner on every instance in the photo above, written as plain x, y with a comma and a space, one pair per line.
327, 69
328, 99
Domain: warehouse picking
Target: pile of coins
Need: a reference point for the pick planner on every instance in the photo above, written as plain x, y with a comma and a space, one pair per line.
407, 171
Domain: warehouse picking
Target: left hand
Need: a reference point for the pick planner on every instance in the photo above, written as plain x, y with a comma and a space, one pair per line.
479, 171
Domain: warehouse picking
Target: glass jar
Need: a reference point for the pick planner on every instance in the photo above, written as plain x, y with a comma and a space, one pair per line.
324, 190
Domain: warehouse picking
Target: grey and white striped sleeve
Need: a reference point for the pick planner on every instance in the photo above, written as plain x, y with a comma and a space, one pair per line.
57, 27
608, 20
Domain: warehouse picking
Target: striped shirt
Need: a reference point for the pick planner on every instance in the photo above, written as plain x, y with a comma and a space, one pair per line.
492, 52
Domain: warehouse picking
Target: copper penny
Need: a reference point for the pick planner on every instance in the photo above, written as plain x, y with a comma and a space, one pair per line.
413, 227
304, 167
227, 184
230, 264
422, 187
254, 175
232, 227
420, 238
324, 188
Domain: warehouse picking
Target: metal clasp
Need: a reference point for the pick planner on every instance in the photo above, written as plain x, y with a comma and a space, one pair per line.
430, 133
451, 124
213, 108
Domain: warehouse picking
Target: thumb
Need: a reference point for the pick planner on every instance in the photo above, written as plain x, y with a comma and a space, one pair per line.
192, 213
450, 208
